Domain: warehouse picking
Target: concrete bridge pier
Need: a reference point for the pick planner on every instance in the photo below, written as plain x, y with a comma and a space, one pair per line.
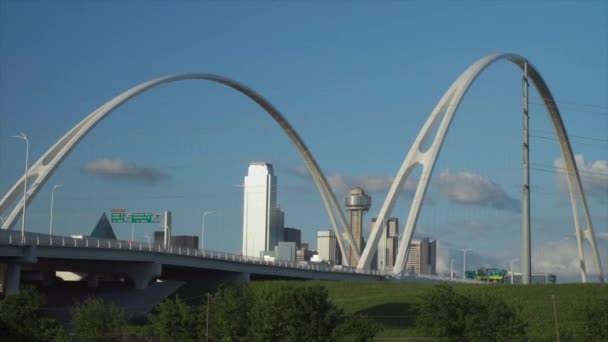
141, 273
13, 278
92, 281
44, 277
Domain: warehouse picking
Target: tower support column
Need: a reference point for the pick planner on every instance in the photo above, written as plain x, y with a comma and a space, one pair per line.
356, 202
526, 261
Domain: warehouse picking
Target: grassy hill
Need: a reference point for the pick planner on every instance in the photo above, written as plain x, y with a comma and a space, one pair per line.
393, 304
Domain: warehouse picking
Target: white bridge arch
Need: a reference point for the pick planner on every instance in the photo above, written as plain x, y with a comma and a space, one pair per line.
442, 115
45, 166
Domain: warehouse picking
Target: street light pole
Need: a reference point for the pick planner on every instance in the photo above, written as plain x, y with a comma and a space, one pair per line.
511, 265
207, 212
57, 186
207, 318
464, 263
451, 268
27, 155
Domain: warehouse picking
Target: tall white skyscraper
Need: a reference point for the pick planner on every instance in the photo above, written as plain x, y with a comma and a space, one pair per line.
262, 219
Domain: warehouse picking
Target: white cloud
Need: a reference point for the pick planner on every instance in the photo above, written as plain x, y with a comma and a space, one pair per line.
121, 170
594, 175
472, 189
462, 188
372, 184
471, 224
442, 259
561, 257
558, 257
447, 254
341, 183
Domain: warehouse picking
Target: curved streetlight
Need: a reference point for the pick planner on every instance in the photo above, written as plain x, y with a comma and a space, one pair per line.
57, 186
207, 212
27, 155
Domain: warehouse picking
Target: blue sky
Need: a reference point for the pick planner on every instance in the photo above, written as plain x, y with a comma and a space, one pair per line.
356, 79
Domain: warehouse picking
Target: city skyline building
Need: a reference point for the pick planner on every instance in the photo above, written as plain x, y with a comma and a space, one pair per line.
422, 257
292, 235
535, 278
303, 253
327, 247
187, 241
263, 221
103, 229
283, 251
388, 244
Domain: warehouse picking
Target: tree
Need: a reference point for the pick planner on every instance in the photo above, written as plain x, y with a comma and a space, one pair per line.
273, 311
285, 312
21, 318
356, 328
175, 320
594, 325
492, 319
95, 320
229, 313
442, 313
450, 316
293, 313
280, 311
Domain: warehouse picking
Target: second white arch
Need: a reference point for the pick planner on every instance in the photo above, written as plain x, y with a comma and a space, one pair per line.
442, 115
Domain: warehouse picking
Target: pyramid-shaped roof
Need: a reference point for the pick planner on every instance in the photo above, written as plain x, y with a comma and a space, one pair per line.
103, 229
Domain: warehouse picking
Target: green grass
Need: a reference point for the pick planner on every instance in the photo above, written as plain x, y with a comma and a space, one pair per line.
393, 304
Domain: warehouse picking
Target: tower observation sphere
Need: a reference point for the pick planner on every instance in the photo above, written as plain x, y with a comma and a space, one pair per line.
357, 199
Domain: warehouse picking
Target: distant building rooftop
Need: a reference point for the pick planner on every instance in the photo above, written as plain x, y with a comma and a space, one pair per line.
103, 229
260, 163
260, 167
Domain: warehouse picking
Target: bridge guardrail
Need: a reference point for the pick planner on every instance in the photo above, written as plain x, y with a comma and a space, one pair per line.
14, 238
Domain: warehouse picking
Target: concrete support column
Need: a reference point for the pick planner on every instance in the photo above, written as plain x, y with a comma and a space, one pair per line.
142, 274
526, 260
48, 278
239, 277
92, 281
13, 278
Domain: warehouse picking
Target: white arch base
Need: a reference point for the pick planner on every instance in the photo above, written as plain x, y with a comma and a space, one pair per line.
442, 115
48, 163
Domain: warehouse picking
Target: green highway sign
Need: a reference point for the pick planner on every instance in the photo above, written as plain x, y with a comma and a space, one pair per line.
122, 216
118, 215
141, 217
